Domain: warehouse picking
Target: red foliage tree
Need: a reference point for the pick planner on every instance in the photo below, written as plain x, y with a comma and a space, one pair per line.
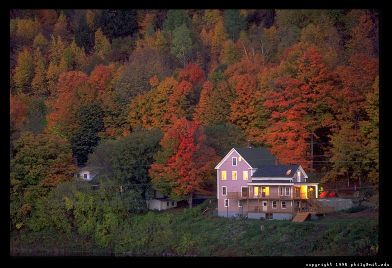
185, 163
18, 111
356, 81
193, 74
302, 102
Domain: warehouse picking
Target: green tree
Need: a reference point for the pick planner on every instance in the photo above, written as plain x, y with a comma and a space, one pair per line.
36, 113
40, 162
370, 132
143, 64
40, 41
101, 44
24, 71
349, 160
234, 22
127, 159
90, 118
39, 84
182, 43
84, 36
223, 137
174, 19
118, 23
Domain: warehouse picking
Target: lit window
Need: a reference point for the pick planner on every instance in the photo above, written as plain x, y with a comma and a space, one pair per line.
234, 175
256, 191
226, 203
283, 204
245, 175
224, 190
234, 161
274, 204
265, 191
223, 175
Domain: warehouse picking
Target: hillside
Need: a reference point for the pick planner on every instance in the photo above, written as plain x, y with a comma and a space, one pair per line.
189, 233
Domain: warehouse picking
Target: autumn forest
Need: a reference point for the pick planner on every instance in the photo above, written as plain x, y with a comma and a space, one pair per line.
155, 98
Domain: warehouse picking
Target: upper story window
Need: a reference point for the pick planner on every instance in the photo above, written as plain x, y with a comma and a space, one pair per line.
85, 175
234, 161
287, 192
281, 191
226, 203
245, 175
298, 175
234, 175
274, 205
223, 175
284, 204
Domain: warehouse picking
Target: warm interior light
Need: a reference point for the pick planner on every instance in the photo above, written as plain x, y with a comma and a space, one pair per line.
304, 191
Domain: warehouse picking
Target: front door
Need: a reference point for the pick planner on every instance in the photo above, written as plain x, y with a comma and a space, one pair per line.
311, 192
264, 203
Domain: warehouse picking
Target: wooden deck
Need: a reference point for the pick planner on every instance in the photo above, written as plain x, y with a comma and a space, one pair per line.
238, 196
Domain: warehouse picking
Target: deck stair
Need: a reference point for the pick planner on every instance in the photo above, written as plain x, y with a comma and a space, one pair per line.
301, 217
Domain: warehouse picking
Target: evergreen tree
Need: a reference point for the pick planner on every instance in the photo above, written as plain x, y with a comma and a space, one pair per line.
182, 43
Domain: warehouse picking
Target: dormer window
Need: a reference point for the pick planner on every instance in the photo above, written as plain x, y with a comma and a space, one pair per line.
299, 175
234, 161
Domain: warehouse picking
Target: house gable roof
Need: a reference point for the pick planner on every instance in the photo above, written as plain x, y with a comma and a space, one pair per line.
257, 157
254, 157
271, 171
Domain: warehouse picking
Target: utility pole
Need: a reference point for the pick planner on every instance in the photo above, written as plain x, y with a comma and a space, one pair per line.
311, 150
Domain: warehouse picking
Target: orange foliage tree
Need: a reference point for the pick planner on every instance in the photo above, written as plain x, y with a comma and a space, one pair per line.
302, 101
247, 110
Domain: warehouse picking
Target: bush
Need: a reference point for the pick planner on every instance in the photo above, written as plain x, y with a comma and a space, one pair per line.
355, 209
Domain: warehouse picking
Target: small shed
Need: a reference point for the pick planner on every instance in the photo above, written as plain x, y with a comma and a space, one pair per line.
86, 173
160, 202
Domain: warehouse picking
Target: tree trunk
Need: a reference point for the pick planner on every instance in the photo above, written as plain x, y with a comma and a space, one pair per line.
246, 53
190, 200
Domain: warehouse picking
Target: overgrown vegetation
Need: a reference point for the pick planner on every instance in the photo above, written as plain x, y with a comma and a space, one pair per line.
192, 233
